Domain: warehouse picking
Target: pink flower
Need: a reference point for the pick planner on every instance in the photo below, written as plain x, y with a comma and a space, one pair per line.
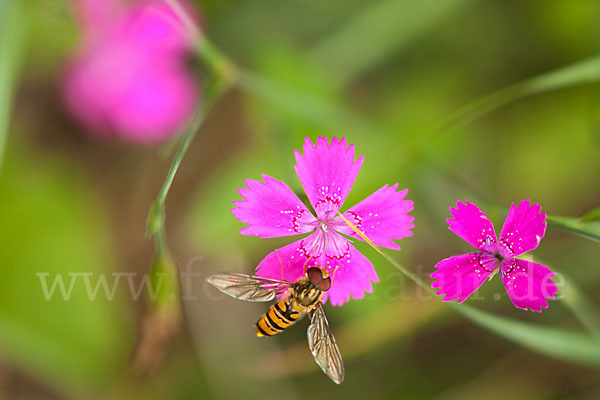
528, 284
129, 79
327, 173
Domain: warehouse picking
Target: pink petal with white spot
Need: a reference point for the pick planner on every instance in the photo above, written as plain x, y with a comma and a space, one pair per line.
327, 172
290, 262
383, 217
272, 210
458, 277
528, 284
524, 227
353, 278
472, 225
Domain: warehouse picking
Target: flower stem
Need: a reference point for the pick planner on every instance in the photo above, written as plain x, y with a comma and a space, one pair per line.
225, 75
406, 272
156, 218
216, 61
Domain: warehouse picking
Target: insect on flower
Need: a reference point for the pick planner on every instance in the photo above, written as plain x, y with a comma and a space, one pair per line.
528, 284
301, 297
327, 172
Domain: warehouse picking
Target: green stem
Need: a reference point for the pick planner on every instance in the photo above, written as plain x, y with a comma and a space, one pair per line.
405, 271
156, 219
226, 74
217, 62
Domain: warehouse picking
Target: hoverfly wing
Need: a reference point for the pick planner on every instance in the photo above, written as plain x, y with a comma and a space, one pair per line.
248, 287
323, 347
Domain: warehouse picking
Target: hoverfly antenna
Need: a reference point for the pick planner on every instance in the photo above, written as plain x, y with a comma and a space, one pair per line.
332, 273
308, 259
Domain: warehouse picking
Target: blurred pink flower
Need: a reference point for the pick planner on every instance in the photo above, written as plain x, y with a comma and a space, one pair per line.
129, 79
528, 284
327, 173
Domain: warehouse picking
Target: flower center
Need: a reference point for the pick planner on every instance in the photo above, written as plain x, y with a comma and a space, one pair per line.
499, 256
323, 226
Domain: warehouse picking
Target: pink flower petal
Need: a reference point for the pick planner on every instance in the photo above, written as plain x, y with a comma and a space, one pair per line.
353, 278
458, 277
327, 172
289, 261
337, 251
528, 284
383, 217
472, 225
272, 210
524, 227
153, 26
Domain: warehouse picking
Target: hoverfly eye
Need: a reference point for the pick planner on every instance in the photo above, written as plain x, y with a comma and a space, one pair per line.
315, 276
325, 284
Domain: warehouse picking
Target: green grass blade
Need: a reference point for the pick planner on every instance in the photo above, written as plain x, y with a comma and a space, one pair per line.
589, 230
581, 306
558, 343
580, 73
11, 43
379, 30
593, 215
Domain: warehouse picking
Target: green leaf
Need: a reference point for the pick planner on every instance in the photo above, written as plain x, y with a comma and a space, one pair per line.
567, 345
52, 231
379, 30
589, 230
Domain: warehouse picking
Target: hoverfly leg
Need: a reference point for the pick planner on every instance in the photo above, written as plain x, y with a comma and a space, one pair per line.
280, 263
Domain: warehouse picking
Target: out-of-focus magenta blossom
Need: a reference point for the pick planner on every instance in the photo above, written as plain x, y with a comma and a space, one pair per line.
327, 173
128, 78
528, 284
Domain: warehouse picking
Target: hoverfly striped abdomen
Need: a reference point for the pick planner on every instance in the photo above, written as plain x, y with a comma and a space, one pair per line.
279, 317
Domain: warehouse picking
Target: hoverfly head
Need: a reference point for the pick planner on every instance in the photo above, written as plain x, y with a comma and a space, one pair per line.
319, 278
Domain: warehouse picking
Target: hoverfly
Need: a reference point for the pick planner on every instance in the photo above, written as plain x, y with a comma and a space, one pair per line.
304, 296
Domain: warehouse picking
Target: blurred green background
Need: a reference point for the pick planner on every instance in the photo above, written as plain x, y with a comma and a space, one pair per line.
383, 74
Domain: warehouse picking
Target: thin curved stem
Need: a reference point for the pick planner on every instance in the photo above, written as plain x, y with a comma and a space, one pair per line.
225, 75
156, 218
